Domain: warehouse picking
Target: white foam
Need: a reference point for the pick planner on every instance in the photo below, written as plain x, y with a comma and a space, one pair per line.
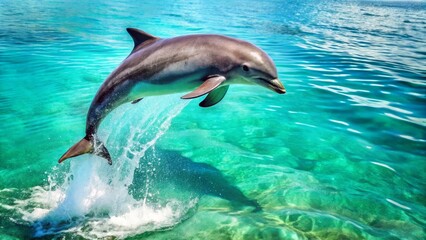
93, 195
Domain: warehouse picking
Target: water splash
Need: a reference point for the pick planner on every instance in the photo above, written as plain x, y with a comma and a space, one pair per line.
92, 195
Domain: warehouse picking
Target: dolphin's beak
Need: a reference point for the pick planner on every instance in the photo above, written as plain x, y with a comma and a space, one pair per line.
277, 86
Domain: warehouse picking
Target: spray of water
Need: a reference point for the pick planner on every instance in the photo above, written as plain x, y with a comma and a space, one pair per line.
92, 199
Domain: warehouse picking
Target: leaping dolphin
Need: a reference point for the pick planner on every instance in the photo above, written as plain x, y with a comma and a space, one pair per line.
156, 66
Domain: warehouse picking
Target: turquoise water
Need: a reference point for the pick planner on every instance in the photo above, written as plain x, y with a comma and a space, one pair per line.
340, 156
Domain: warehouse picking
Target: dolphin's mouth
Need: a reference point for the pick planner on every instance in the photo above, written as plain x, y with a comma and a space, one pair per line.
274, 84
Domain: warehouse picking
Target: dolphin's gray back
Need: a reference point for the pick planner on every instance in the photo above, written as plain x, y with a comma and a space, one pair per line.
189, 53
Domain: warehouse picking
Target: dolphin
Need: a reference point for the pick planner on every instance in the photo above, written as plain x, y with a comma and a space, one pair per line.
199, 64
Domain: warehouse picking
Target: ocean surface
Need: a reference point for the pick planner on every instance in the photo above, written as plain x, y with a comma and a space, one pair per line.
341, 155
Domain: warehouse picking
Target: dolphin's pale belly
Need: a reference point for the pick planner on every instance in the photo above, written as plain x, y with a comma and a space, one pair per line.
148, 88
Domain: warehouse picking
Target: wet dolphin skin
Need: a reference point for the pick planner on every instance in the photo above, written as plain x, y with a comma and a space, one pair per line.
198, 64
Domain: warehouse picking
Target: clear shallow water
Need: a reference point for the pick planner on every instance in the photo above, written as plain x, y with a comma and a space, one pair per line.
341, 155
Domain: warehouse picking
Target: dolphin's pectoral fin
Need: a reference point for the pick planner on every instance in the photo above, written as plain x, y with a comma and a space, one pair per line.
137, 100
209, 85
214, 97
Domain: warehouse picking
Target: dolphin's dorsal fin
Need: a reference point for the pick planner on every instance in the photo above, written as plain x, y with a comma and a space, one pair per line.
140, 37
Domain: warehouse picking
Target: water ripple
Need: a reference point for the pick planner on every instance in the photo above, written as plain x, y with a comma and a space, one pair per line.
340, 156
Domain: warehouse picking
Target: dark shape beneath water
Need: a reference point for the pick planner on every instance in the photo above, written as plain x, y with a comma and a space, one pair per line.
174, 171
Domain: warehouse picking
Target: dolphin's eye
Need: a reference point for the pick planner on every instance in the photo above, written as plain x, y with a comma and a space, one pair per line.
245, 68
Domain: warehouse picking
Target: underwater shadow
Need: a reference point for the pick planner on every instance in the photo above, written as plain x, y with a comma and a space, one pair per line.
168, 171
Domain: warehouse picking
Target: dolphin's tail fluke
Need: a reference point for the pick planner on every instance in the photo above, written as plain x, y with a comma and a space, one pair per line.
87, 145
